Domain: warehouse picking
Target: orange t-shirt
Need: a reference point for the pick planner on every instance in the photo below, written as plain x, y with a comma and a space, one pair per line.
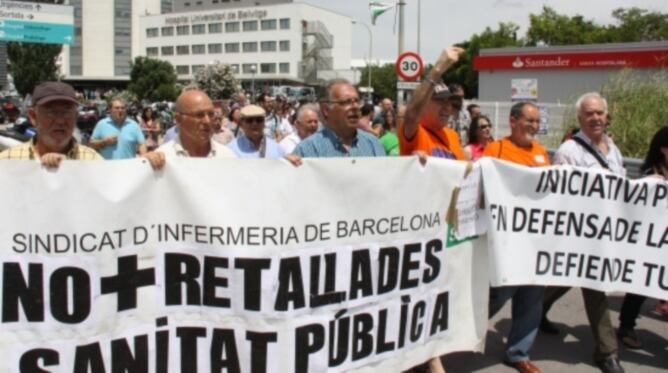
443, 144
535, 156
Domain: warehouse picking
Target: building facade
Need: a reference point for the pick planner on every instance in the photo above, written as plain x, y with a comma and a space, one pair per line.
265, 41
561, 74
278, 43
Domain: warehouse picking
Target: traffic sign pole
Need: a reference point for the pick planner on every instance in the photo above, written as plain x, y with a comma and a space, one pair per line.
409, 68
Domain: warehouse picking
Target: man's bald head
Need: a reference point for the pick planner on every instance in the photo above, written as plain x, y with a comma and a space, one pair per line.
187, 99
195, 118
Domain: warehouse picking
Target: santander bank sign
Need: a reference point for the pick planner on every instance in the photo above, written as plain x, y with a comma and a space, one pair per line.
574, 60
529, 62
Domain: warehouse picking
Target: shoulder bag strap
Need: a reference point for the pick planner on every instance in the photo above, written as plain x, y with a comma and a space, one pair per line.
591, 150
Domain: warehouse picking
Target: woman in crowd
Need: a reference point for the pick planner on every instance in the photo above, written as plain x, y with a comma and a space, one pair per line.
150, 125
388, 137
480, 134
234, 123
655, 165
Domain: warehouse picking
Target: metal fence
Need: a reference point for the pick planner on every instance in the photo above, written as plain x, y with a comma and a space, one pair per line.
552, 117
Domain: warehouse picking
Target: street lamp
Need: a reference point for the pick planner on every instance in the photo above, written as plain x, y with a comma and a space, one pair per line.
253, 69
368, 64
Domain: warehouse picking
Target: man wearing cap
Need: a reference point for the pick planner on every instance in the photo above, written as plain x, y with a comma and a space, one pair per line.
54, 115
195, 120
340, 135
424, 130
254, 143
116, 136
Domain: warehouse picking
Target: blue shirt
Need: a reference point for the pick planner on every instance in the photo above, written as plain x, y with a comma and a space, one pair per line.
244, 148
129, 136
171, 134
325, 143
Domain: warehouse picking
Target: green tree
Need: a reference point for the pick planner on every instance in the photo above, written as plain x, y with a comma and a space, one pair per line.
383, 80
217, 80
552, 28
462, 72
639, 25
31, 63
153, 80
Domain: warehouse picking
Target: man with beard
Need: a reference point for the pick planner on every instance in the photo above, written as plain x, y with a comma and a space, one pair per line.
54, 115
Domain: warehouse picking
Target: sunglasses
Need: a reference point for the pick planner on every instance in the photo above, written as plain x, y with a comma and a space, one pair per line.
254, 120
485, 126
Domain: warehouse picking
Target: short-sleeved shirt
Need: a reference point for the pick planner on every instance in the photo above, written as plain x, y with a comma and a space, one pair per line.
129, 136
290, 142
244, 148
442, 144
570, 152
175, 148
325, 143
390, 143
28, 151
533, 156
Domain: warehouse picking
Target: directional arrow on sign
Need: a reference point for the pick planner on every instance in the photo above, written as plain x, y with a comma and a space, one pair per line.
38, 7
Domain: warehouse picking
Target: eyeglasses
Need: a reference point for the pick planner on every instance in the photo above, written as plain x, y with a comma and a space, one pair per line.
254, 120
200, 114
52, 114
348, 102
485, 126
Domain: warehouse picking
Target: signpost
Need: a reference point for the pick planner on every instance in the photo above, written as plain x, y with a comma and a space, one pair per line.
409, 68
36, 23
408, 86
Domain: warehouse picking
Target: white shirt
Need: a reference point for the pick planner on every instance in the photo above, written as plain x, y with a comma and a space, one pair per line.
570, 152
290, 142
174, 148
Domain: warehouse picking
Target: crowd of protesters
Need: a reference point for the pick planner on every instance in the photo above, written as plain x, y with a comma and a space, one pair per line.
435, 123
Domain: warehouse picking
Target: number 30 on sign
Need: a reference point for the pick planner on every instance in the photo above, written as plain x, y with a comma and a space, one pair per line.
409, 66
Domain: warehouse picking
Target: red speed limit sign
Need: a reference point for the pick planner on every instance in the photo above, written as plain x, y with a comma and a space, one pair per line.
409, 66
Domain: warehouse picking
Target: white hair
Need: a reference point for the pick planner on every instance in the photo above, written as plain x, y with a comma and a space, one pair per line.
307, 107
587, 96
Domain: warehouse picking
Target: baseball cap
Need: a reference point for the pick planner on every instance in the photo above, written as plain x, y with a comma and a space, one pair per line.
250, 111
441, 91
53, 91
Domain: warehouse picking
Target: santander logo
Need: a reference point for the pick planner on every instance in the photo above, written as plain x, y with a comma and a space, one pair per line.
518, 64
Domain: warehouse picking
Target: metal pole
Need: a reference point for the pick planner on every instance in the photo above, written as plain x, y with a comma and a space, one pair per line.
369, 61
400, 4
418, 25
401, 25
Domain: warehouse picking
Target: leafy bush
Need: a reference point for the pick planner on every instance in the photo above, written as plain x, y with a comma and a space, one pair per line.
217, 80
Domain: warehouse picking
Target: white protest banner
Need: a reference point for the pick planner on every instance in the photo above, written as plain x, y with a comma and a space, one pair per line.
248, 266
576, 227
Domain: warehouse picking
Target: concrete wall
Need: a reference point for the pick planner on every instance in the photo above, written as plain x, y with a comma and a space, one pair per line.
553, 85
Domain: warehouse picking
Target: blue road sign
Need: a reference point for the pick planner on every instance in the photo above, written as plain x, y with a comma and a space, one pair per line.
36, 32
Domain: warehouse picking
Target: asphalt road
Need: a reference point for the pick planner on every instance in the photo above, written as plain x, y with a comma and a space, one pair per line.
571, 351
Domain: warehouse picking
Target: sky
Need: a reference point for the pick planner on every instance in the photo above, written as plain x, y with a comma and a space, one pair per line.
446, 22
